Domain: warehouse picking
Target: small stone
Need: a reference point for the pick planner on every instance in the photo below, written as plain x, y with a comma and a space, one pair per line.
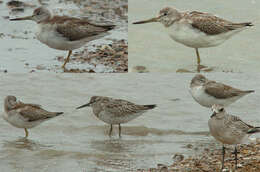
6, 17
162, 167
40, 67
189, 146
91, 71
60, 58
239, 165
178, 157
18, 9
117, 55
140, 69
14, 3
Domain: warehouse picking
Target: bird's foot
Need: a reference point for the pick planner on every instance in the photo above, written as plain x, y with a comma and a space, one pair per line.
202, 66
64, 68
199, 67
184, 71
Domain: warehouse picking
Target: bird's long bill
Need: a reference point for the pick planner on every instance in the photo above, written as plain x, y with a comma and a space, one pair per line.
214, 114
155, 19
22, 18
85, 105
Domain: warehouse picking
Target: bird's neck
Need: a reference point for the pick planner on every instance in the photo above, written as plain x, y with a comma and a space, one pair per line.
45, 20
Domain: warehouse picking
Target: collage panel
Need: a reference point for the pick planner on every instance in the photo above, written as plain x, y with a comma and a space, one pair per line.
163, 45
173, 125
91, 38
188, 103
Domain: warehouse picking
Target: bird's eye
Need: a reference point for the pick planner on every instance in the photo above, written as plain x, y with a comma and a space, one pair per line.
165, 14
37, 13
221, 110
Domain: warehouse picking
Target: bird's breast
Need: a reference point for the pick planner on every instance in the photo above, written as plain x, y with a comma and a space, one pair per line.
48, 35
191, 37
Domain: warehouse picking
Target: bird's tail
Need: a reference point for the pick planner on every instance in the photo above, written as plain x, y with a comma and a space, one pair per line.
249, 91
54, 114
254, 130
235, 26
149, 106
59, 113
246, 24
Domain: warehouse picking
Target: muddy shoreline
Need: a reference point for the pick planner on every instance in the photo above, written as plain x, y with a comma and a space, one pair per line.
210, 160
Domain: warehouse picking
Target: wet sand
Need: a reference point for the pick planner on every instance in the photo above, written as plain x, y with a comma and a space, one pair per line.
210, 160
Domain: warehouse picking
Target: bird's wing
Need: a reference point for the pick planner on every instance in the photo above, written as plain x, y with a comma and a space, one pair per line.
31, 104
210, 24
220, 90
120, 107
32, 112
238, 124
75, 29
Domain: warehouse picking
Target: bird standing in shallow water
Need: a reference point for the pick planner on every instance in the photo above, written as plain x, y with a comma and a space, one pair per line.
65, 33
229, 129
196, 29
25, 116
115, 111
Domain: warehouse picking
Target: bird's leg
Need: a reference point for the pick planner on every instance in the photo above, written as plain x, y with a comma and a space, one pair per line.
67, 59
198, 59
111, 129
26, 132
235, 152
223, 156
119, 128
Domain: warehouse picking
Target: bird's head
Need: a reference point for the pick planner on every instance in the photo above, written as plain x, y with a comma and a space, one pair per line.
40, 14
217, 110
198, 80
9, 102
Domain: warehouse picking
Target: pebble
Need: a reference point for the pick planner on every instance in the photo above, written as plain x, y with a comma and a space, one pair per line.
140, 69
178, 157
209, 160
40, 67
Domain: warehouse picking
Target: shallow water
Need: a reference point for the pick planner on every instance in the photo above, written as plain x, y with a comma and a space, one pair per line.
20, 51
78, 141
150, 45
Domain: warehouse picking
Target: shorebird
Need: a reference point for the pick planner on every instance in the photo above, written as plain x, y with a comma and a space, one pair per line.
196, 29
22, 115
229, 129
115, 111
65, 33
208, 93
